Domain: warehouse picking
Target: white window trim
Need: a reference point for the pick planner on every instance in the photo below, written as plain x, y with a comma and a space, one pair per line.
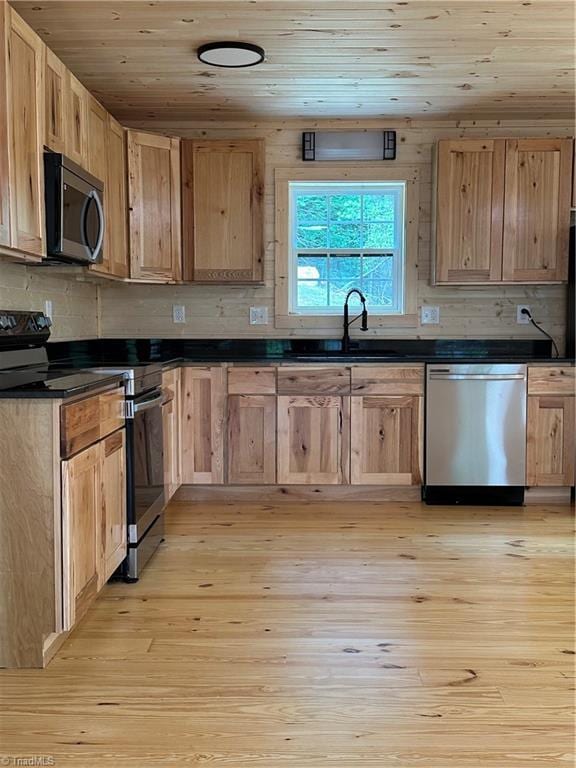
284, 317
398, 252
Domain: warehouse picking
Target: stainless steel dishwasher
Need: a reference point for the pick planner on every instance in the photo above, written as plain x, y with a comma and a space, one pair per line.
475, 433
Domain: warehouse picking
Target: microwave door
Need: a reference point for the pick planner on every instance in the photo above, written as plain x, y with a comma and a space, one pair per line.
82, 219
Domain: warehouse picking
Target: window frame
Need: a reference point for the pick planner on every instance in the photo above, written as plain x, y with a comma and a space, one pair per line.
360, 173
398, 188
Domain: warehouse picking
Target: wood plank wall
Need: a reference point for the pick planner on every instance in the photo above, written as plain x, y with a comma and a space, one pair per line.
222, 311
74, 304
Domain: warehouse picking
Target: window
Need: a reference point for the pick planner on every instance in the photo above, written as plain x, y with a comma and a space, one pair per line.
346, 235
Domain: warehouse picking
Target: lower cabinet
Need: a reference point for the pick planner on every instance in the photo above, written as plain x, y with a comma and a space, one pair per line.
386, 440
81, 505
171, 429
112, 544
290, 425
313, 440
202, 420
93, 522
252, 439
551, 442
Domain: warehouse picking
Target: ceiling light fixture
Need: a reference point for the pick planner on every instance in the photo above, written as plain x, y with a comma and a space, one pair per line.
231, 54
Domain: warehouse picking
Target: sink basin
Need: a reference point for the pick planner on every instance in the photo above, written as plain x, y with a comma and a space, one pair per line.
322, 357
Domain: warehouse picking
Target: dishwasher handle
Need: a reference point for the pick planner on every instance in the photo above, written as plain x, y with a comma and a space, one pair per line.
441, 376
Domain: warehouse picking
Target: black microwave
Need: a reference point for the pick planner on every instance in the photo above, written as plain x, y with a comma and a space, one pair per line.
74, 211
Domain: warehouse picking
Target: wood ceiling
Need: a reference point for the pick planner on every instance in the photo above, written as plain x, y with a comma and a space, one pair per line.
325, 58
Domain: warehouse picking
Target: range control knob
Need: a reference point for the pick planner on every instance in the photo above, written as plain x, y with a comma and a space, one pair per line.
5, 322
42, 321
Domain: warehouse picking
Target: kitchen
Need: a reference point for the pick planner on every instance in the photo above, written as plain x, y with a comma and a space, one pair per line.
286, 382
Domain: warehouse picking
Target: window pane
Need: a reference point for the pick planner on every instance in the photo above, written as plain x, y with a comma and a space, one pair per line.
345, 268
312, 267
338, 291
378, 292
311, 208
379, 208
312, 293
345, 207
312, 236
379, 236
346, 235
378, 267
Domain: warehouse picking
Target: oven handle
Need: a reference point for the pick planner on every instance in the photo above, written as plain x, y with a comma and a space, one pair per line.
145, 405
134, 407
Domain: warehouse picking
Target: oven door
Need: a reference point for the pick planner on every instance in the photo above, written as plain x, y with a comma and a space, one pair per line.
82, 219
145, 465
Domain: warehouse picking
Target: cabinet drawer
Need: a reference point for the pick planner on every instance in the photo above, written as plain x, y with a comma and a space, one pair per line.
388, 380
111, 411
551, 380
86, 421
252, 381
313, 381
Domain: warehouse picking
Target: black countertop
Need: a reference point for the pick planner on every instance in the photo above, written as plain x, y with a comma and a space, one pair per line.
65, 377
102, 351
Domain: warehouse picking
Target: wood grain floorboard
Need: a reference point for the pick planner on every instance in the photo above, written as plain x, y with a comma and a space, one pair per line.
319, 636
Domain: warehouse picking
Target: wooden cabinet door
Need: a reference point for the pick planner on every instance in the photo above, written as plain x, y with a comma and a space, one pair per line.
97, 127
171, 423
5, 239
55, 83
551, 446
252, 439
469, 205
313, 440
223, 187
81, 505
76, 121
112, 523
386, 440
202, 425
537, 210
154, 207
25, 134
115, 261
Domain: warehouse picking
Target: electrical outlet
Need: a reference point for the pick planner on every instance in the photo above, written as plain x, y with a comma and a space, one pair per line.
48, 308
258, 315
522, 319
178, 313
430, 315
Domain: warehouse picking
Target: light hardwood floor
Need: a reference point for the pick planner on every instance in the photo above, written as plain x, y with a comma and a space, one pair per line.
319, 636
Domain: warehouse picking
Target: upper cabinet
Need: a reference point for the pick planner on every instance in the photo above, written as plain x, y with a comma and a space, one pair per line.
76, 120
470, 196
21, 133
4, 174
116, 202
55, 90
96, 144
537, 209
222, 191
502, 210
154, 207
